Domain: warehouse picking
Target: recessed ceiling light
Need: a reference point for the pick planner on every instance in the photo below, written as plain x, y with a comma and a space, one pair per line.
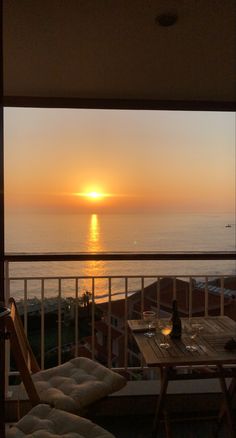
167, 19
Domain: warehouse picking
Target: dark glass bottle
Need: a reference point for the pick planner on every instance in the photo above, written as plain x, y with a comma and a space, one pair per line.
176, 322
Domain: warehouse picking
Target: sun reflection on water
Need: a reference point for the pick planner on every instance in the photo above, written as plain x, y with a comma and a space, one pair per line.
94, 234
93, 267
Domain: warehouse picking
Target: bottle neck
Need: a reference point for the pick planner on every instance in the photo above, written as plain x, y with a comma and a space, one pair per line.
174, 306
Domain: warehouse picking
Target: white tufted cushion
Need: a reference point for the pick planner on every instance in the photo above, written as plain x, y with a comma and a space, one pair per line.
46, 422
76, 384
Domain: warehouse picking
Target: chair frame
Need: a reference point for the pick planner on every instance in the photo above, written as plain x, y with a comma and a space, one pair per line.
22, 352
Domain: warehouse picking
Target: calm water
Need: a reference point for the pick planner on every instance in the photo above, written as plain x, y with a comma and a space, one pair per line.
136, 232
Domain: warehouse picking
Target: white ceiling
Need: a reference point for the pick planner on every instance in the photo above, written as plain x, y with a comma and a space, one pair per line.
114, 49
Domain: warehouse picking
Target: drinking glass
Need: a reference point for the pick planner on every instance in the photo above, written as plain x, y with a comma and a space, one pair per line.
166, 327
193, 329
149, 316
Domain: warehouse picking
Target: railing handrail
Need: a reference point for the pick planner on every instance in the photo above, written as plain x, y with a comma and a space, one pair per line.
120, 256
117, 276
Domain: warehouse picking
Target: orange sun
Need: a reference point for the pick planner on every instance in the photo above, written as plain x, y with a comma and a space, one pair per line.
93, 195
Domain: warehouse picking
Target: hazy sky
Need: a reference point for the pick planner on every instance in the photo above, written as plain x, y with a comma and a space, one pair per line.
160, 161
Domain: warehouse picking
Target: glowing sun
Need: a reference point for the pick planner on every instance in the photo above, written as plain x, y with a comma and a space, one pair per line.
93, 196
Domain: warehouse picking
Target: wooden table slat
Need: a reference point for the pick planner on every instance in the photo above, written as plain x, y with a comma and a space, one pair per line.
210, 343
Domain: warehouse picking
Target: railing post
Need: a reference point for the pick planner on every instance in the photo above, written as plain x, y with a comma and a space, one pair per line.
25, 305
158, 297
109, 340
42, 325
222, 298
126, 326
142, 296
190, 299
93, 318
59, 322
206, 297
76, 316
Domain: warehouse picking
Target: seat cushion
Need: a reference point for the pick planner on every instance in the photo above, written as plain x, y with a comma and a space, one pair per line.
76, 384
46, 422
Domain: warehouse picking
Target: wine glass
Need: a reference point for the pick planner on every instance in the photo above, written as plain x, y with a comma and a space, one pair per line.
166, 327
193, 329
149, 316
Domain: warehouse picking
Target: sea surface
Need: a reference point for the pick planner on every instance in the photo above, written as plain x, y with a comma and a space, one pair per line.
40, 233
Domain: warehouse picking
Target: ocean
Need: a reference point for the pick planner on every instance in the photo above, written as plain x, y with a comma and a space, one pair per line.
39, 233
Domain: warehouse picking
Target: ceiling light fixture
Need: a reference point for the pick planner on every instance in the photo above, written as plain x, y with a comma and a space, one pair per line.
167, 19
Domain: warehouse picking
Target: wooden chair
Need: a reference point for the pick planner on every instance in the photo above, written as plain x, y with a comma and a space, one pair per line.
71, 386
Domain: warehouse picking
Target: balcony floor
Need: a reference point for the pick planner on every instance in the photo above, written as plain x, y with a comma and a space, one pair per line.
129, 414
140, 427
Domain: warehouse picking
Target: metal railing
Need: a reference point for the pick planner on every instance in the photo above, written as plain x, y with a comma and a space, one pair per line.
96, 325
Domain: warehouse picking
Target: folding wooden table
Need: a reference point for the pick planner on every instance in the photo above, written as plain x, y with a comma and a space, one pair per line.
210, 342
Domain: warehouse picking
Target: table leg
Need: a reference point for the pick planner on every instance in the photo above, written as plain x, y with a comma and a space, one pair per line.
160, 402
227, 394
167, 424
231, 392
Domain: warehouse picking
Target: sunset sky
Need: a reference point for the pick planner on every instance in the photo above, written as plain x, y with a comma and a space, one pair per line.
152, 161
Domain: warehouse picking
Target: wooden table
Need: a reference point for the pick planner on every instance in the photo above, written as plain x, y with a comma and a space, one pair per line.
217, 330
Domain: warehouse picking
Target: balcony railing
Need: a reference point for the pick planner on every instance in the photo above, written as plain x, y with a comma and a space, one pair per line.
87, 315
